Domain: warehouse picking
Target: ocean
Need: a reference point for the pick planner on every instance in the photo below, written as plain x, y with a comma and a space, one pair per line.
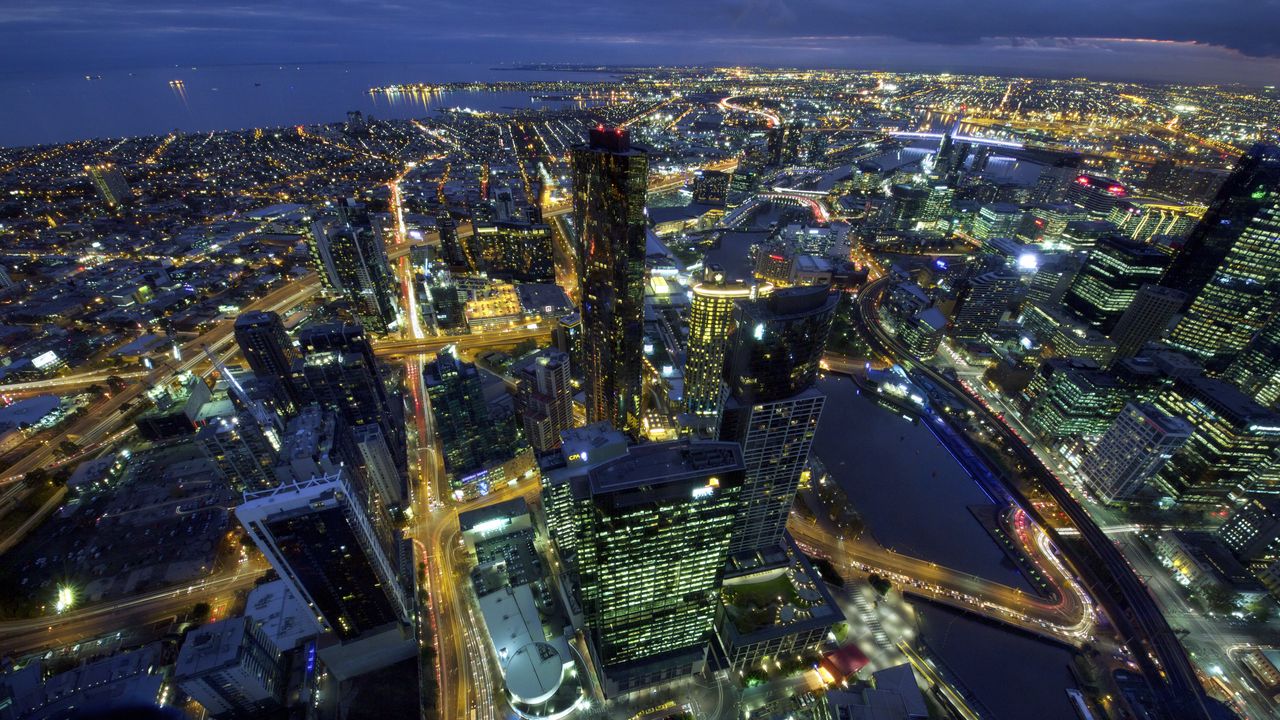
56, 107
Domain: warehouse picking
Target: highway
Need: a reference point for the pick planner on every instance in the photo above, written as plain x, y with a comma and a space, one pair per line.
1108, 574
20, 637
465, 343
106, 416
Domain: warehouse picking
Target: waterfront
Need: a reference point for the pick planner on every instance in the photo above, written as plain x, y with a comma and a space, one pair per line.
913, 496
62, 107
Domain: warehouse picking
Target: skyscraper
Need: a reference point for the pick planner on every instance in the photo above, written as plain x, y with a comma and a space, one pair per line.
266, 347
1096, 194
983, 301
1232, 447
110, 183
544, 399
514, 251
1138, 443
1256, 370
350, 257
773, 410
1229, 265
1147, 318
1110, 279
338, 371
610, 182
710, 321
651, 532
1253, 531
472, 437
318, 537
244, 452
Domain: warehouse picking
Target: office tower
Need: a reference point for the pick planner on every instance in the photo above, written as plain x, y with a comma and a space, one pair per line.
773, 410
650, 531
315, 443
1134, 448
351, 260
1256, 370
1000, 220
447, 312
232, 669
1109, 280
319, 539
338, 371
471, 435
1145, 221
1228, 263
710, 321
610, 181
783, 143
452, 252
1072, 397
514, 251
1147, 318
1253, 531
1045, 222
983, 301
1053, 278
711, 187
1232, 446
1096, 194
1185, 182
244, 451
937, 207
544, 399
110, 183
267, 348
567, 335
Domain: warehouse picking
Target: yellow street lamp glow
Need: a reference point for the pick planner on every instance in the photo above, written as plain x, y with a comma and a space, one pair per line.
66, 599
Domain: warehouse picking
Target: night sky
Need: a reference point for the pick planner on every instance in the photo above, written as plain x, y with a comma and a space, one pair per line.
1200, 40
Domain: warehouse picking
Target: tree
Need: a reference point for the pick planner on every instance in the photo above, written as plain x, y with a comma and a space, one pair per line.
1220, 600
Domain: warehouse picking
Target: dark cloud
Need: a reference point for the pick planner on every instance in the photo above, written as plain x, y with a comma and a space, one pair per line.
1218, 40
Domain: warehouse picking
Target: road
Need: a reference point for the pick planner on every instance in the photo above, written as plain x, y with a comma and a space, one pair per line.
20, 637
465, 343
1107, 573
106, 416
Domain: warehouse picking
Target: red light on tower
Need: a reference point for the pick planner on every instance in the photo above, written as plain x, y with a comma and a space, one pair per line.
1083, 180
1116, 189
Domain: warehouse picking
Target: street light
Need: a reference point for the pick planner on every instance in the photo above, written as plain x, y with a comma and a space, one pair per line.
66, 599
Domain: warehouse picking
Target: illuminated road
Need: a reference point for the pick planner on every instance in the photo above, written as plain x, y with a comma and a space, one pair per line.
465, 343
1068, 618
19, 637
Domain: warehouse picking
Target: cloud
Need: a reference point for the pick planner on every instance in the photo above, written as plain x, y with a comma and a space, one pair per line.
1235, 38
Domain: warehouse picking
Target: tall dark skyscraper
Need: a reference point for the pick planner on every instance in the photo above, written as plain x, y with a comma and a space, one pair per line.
338, 371
1109, 281
514, 251
351, 260
473, 438
610, 180
1229, 265
318, 537
773, 408
266, 347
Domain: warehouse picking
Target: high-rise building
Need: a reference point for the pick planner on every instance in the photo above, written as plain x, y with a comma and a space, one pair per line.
710, 322
1256, 370
1253, 531
352, 261
1228, 264
650, 531
514, 251
567, 335
110, 183
338, 371
610, 181
232, 669
472, 436
1096, 194
1134, 448
267, 348
983, 301
1147, 318
1231, 451
1109, 280
318, 537
1053, 278
244, 451
1072, 397
773, 410
711, 187
999, 220
783, 143
544, 399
